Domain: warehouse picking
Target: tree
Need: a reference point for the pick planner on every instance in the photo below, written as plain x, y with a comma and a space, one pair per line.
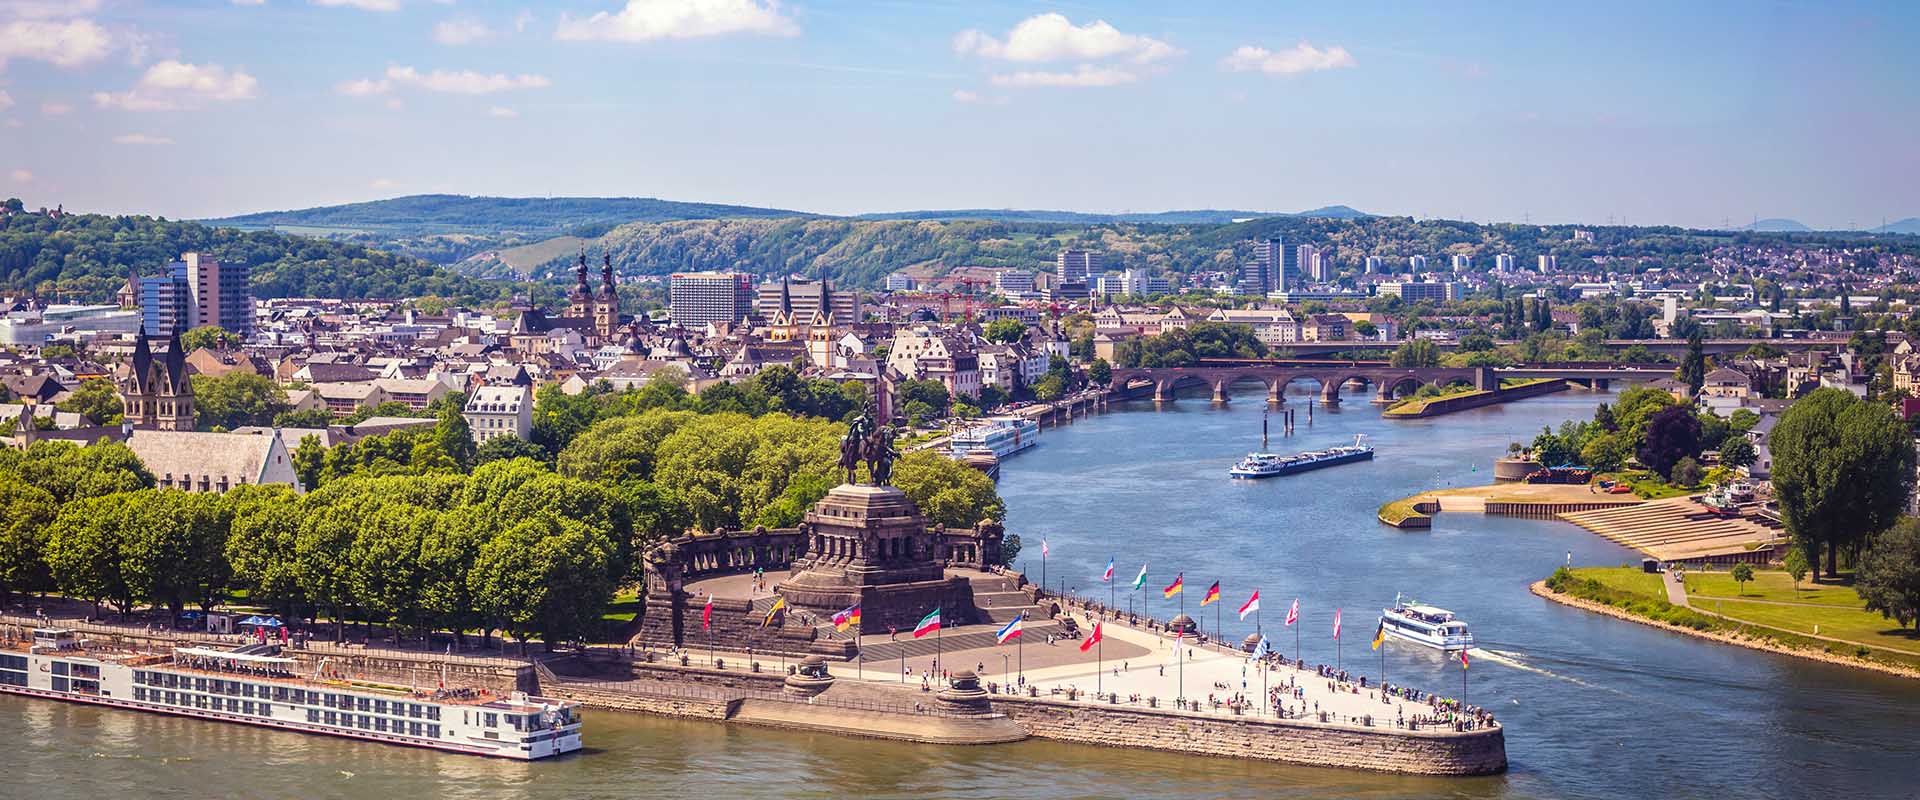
507, 448
1796, 565
83, 550
97, 399
1603, 417
453, 437
1687, 472
209, 336
1100, 372
1742, 420
1049, 388
946, 491
1606, 452
1006, 330
309, 461
931, 393
25, 513
1842, 467
236, 399
1416, 353
1737, 451
1889, 575
1366, 329
1741, 574
1693, 368
1673, 433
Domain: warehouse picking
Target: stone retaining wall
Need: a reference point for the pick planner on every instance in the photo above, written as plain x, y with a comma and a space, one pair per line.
1439, 752
1448, 405
1550, 510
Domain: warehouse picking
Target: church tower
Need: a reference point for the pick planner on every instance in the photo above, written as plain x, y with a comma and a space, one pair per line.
580, 301
606, 308
158, 393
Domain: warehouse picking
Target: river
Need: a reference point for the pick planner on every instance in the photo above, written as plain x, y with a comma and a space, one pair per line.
1594, 707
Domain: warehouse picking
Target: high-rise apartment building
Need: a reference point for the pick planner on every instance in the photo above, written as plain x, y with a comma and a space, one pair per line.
197, 290
1549, 263
1503, 262
1276, 267
1077, 265
1417, 264
1012, 282
1462, 263
697, 298
1376, 265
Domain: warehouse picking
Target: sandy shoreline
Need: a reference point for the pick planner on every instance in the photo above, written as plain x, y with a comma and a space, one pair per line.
1540, 588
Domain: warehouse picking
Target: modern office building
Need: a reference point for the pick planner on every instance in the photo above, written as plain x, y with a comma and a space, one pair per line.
1275, 267
1013, 282
697, 298
899, 282
197, 290
801, 297
1415, 291
1077, 265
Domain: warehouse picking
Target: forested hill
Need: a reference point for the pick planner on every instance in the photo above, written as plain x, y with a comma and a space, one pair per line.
86, 258
453, 213
862, 252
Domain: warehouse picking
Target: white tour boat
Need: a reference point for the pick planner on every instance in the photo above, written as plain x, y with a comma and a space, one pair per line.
255, 686
1427, 625
1002, 436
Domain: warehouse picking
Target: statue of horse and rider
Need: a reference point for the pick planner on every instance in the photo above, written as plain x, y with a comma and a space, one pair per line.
871, 442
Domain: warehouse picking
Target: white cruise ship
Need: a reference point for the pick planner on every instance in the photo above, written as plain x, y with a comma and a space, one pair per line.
1427, 625
1003, 436
260, 688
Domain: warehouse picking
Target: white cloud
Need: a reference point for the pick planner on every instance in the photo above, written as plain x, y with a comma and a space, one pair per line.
1053, 37
171, 85
55, 108
381, 183
6, 100
22, 176
522, 20
502, 112
1303, 57
71, 43
47, 9
363, 5
362, 87
461, 31
651, 20
1086, 75
140, 138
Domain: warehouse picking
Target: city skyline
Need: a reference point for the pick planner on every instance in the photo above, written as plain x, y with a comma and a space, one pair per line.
1701, 116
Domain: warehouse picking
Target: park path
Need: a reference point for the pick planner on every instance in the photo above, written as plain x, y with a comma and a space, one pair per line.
1676, 589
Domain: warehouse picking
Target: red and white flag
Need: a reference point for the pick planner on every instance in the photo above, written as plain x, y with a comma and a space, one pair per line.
1252, 605
1293, 614
1092, 639
706, 616
1336, 623
1044, 549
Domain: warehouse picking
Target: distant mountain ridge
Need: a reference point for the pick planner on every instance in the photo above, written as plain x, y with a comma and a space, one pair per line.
1180, 217
1910, 225
1777, 225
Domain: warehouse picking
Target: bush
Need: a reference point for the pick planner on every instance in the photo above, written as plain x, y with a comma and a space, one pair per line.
1687, 472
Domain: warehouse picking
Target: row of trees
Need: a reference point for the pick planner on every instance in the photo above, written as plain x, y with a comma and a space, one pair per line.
1650, 426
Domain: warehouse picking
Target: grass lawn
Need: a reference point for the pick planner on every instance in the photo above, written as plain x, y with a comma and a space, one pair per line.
1625, 579
1852, 624
1771, 585
625, 606
1400, 510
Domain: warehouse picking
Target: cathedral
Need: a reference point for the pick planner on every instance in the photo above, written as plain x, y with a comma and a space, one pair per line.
601, 310
157, 393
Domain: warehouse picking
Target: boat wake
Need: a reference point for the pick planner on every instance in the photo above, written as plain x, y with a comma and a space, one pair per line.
1509, 658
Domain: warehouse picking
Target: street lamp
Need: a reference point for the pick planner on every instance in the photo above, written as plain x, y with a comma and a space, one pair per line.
1003, 669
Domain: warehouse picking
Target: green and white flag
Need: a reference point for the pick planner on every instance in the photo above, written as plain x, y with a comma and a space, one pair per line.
1141, 579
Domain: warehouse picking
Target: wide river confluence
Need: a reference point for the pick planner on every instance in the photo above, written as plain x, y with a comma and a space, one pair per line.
1594, 707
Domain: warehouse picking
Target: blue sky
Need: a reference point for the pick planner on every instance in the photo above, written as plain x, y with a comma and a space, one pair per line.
1684, 113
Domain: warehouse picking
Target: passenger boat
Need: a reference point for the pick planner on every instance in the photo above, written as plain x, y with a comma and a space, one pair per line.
254, 685
1002, 436
1267, 465
1427, 625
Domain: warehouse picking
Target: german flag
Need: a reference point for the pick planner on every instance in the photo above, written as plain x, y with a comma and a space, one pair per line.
1380, 634
1179, 583
1213, 593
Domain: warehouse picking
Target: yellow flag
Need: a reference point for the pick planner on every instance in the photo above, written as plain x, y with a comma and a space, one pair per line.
1380, 634
778, 604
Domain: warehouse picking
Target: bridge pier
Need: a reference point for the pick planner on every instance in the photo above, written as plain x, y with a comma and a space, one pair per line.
1161, 394
1219, 393
1274, 398
1330, 394
1599, 384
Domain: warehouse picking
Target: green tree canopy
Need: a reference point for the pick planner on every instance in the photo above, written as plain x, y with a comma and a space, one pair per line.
1842, 468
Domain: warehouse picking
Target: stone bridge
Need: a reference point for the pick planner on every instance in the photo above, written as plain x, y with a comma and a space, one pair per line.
1386, 381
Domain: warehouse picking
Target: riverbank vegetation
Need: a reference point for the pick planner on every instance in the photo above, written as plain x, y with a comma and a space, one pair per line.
1771, 626
419, 530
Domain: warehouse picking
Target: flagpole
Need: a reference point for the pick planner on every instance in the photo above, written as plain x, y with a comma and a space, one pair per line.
1100, 662
938, 653
1182, 677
